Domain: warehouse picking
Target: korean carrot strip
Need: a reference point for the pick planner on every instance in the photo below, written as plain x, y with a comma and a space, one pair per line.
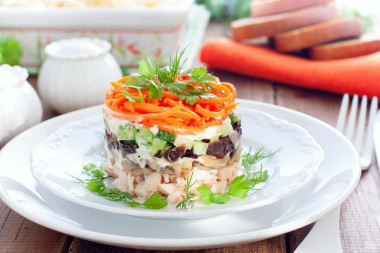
230, 106
129, 107
185, 115
231, 88
185, 109
208, 113
146, 107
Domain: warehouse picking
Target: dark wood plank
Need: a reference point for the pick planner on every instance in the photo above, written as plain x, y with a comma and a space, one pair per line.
48, 112
18, 234
275, 244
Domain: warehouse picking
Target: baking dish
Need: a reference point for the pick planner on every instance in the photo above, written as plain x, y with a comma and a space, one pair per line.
134, 33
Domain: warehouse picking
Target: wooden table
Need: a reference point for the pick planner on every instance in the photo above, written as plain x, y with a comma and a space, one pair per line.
360, 214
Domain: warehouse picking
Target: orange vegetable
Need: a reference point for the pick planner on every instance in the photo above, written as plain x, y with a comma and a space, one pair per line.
170, 113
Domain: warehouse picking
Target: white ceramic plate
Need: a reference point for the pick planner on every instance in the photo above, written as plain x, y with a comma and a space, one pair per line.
62, 155
336, 178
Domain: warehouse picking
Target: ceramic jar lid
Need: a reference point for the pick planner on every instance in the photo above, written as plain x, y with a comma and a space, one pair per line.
77, 48
11, 76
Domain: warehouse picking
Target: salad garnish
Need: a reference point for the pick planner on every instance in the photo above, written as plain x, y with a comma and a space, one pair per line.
179, 102
239, 188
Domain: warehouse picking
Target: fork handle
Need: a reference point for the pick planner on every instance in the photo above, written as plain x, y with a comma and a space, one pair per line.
324, 236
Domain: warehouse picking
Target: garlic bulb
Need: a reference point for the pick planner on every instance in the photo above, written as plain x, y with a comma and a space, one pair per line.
77, 73
20, 106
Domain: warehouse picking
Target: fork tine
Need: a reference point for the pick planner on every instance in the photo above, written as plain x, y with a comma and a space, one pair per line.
368, 146
352, 118
342, 113
361, 123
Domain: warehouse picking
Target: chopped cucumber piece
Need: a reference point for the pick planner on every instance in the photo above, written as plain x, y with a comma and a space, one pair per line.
157, 145
225, 130
179, 141
166, 136
214, 138
144, 136
127, 132
106, 124
199, 148
235, 117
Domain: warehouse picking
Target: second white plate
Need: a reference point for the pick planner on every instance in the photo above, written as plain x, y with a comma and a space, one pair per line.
336, 178
62, 155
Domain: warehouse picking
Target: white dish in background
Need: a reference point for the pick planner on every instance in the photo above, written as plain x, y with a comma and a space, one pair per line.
145, 18
91, 67
20, 106
336, 178
157, 33
64, 153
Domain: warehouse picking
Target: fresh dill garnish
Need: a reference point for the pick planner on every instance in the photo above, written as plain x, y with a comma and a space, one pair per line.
188, 198
249, 159
155, 79
95, 183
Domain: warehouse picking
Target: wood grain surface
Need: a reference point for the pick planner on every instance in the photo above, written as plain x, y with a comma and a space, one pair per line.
360, 214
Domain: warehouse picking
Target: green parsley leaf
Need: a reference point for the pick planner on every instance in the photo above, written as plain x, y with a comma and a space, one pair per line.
176, 88
144, 68
95, 172
155, 92
136, 82
200, 75
190, 99
241, 185
129, 96
209, 197
155, 201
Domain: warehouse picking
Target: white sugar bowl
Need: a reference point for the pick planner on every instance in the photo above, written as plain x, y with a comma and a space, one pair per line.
20, 106
76, 73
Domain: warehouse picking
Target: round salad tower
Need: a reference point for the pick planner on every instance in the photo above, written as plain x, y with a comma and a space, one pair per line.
163, 126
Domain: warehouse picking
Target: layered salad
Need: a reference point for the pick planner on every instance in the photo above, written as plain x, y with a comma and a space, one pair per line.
164, 125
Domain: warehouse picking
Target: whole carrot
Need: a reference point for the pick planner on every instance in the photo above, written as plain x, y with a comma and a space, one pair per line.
359, 75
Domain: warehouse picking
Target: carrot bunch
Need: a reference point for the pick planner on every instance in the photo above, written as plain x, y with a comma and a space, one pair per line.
170, 112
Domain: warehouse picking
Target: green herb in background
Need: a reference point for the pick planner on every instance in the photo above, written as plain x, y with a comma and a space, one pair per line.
227, 9
10, 51
352, 13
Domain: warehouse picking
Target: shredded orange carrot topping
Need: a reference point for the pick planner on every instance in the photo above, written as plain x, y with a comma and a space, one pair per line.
171, 112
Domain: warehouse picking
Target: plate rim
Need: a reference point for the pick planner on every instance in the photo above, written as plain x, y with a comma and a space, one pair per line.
193, 243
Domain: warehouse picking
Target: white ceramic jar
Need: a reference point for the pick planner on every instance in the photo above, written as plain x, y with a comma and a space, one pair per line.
76, 73
20, 106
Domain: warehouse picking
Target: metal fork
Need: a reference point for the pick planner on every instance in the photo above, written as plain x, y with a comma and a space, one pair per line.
324, 236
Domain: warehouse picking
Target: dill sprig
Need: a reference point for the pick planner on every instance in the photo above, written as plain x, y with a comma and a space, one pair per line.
188, 198
249, 159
